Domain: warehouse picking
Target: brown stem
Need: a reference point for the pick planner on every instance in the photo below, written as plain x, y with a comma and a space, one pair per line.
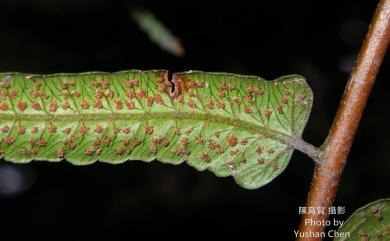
338, 143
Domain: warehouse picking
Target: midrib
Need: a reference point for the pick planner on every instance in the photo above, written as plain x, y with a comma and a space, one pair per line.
237, 123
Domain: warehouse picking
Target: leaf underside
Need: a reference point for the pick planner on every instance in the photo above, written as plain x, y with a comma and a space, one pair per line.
371, 222
230, 124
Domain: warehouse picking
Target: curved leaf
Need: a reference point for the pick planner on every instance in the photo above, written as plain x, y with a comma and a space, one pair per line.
371, 222
232, 125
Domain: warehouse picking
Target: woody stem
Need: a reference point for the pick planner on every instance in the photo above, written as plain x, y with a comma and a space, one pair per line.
338, 143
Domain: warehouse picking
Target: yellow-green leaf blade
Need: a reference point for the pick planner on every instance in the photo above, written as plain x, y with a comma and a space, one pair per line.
371, 222
232, 125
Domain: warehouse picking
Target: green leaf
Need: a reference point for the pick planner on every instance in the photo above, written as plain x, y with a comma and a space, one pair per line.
371, 222
157, 31
232, 125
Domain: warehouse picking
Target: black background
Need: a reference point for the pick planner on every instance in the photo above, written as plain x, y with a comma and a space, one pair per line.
317, 39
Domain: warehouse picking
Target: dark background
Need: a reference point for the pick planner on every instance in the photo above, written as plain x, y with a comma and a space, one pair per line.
317, 39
